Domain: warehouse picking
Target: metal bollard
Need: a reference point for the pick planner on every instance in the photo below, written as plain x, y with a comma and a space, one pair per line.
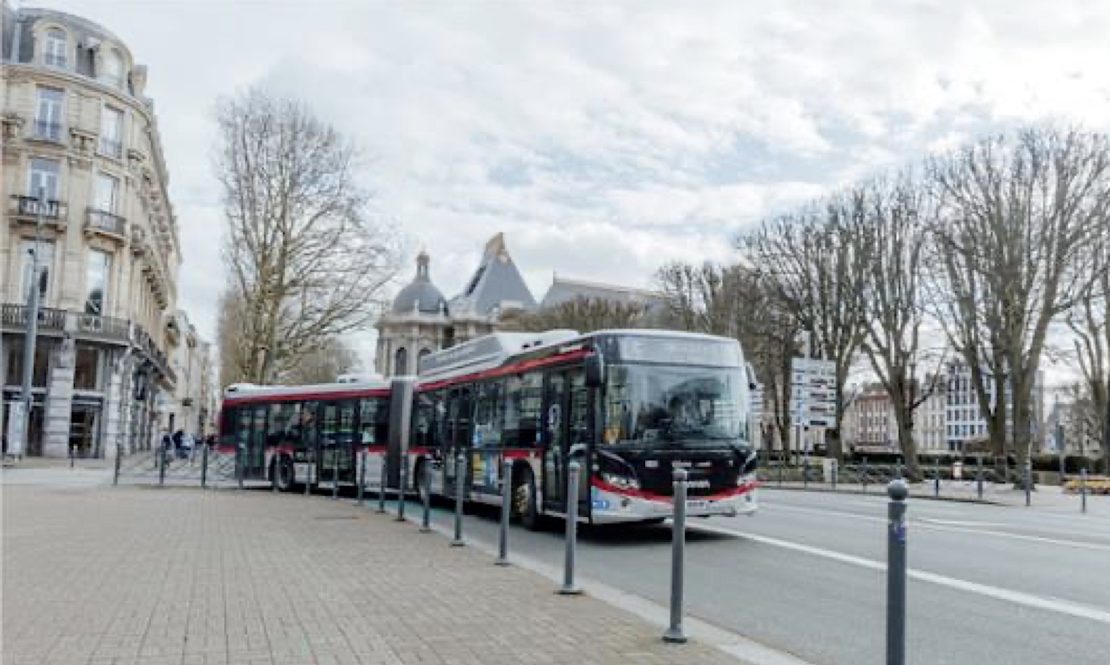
115, 474
805, 471
274, 473
863, 479
361, 476
979, 477
335, 474
782, 463
896, 574
1028, 482
203, 465
1083, 490
310, 468
426, 486
936, 476
834, 473
72, 455
381, 488
571, 538
239, 464
675, 633
460, 479
162, 467
402, 482
506, 505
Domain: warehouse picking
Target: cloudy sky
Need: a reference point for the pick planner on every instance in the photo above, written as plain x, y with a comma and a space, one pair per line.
603, 138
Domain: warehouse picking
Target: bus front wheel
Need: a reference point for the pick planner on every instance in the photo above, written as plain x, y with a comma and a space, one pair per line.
524, 502
284, 474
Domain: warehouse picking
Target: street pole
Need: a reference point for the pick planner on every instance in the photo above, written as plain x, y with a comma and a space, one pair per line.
674, 632
426, 496
506, 503
571, 538
896, 574
1083, 489
21, 445
460, 478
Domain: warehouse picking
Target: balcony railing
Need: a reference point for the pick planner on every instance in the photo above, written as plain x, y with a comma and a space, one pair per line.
44, 129
101, 221
110, 148
15, 316
29, 206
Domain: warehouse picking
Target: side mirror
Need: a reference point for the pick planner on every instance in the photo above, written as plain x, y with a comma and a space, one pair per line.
752, 383
595, 370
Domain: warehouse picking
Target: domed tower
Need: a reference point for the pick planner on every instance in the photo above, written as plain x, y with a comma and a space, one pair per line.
416, 324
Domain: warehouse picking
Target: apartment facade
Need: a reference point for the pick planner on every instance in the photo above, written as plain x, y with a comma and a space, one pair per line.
79, 133
965, 425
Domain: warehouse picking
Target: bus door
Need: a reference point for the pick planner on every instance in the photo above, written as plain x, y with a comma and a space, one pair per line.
458, 435
254, 460
337, 450
554, 485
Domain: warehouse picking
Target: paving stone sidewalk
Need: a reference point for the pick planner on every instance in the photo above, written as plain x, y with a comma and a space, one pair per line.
99, 575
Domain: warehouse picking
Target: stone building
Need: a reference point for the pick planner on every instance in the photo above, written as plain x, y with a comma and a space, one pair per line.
190, 409
78, 127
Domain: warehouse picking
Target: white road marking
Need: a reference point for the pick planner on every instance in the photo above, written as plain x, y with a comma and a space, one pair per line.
955, 526
1018, 597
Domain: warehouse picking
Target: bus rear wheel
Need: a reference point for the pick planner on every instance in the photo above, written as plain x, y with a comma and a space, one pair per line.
284, 474
524, 502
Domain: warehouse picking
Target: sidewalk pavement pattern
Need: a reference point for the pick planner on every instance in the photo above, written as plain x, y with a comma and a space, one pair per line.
99, 575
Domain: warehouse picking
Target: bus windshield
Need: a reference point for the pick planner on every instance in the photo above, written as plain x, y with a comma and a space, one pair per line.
675, 405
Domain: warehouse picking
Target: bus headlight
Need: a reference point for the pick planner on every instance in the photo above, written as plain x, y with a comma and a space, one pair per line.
622, 482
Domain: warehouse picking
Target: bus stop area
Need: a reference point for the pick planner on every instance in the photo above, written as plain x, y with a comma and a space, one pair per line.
96, 574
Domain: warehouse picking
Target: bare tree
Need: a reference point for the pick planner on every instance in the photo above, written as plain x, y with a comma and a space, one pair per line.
303, 259
1015, 213
322, 364
1090, 322
817, 273
582, 314
889, 230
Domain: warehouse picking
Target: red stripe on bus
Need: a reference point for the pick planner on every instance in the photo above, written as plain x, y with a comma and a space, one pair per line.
662, 498
518, 454
310, 396
377, 449
419, 451
516, 368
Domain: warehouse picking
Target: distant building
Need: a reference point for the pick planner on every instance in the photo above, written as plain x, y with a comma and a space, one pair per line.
563, 290
78, 127
964, 421
1072, 427
869, 425
421, 320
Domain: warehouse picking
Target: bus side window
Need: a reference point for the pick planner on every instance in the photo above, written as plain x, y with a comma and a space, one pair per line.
306, 429
523, 399
229, 425
423, 420
487, 415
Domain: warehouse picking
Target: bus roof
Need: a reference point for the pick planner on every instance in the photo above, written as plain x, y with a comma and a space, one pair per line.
496, 350
245, 392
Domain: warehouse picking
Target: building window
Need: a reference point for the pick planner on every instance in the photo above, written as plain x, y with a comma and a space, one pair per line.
46, 258
106, 188
86, 369
48, 114
43, 174
97, 270
54, 48
111, 132
401, 361
113, 68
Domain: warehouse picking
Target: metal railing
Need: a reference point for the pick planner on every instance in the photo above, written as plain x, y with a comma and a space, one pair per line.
29, 206
15, 316
105, 222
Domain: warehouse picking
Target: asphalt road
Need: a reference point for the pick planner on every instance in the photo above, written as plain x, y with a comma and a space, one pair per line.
989, 584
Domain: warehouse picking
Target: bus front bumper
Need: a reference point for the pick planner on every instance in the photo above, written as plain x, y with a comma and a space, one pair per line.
609, 504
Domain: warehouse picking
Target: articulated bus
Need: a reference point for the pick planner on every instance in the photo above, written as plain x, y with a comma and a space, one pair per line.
304, 434
630, 406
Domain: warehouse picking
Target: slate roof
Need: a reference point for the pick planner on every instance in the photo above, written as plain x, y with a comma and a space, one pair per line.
495, 284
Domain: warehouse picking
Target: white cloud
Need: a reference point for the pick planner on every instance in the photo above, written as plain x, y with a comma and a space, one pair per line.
605, 138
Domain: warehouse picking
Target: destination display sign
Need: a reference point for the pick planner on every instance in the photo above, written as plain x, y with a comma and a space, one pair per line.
679, 350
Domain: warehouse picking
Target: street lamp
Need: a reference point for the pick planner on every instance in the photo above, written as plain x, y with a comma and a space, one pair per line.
21, 421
